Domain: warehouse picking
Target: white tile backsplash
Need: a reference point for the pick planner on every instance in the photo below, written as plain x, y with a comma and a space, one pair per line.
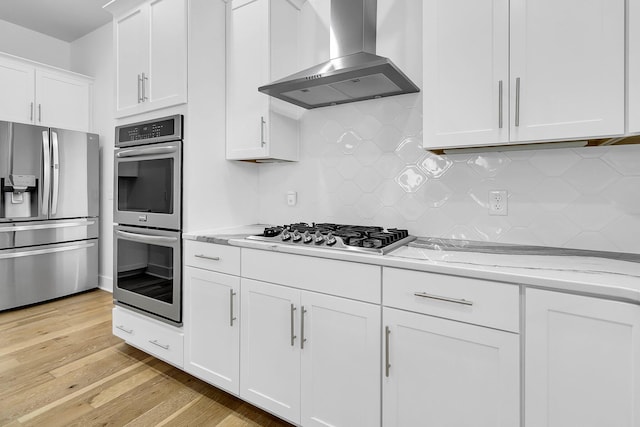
364, 163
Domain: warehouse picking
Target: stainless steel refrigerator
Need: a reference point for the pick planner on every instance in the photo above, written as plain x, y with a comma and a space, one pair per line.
48, 213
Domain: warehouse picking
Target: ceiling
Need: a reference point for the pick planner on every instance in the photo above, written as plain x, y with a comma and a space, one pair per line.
66, 20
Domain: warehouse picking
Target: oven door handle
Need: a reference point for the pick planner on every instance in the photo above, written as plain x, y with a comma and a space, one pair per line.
143, 238
146, 151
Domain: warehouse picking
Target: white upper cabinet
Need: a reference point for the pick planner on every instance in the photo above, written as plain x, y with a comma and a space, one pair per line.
62, 101
18, 91
36, 94
500, 71
582, 361
151, 56
634, 66
568, 57
466, 72
261, 47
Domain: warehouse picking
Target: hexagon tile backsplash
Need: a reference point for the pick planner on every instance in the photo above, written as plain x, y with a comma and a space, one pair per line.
364, 163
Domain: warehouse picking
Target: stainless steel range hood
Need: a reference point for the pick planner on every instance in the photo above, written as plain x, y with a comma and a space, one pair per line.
354, 72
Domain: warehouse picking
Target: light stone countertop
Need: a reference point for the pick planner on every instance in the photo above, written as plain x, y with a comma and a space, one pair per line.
603, 274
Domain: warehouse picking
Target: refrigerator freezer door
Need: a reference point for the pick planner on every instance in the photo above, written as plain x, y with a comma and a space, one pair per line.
23, 234
23, 149
74, 183
39, 273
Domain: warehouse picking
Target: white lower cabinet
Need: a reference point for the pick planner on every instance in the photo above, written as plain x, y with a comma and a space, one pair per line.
439, 372
582, 361
152, 336
212, 327
310, 358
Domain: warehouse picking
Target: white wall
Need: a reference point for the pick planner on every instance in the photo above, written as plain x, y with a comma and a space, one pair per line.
93, 55
20, 41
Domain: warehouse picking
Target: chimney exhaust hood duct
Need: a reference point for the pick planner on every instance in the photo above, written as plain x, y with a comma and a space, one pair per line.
354, 73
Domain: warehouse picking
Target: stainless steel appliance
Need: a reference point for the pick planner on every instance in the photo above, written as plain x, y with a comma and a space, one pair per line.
148, 213
48, 213
148, 171
354, 72
356, 238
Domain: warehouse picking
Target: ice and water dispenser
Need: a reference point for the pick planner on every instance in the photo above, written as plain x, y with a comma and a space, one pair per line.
17, 196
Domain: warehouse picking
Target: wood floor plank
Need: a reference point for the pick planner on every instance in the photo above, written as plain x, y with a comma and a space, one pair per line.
60, 365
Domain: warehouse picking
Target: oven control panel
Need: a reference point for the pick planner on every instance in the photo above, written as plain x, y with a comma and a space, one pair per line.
148, 132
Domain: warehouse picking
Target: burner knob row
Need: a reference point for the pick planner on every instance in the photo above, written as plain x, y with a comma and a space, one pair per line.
318, 238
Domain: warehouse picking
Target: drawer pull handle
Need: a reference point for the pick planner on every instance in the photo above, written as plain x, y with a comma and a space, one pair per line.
213, 258
155, 342
439, 298
123, 329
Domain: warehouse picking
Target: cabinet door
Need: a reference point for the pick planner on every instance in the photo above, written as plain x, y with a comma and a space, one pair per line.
167, 82
582, 361
466, 72
132, 58
567, 69
211, 322
248, 68
443, 372
17, 89
634, 65
340, 344
270, 356
62, 101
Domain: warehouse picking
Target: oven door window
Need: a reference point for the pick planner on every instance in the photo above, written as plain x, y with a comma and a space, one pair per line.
146, 269
146, 186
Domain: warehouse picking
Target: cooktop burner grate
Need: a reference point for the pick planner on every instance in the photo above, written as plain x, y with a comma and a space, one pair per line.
359, 238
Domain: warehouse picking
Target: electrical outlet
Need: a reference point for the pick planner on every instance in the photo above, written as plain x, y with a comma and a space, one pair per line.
292, 198
498, 202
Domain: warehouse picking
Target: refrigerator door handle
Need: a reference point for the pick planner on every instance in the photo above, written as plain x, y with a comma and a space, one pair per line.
46, 251
83, 223
46, 172
56, 172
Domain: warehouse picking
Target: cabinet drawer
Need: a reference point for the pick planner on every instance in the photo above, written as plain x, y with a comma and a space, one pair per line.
221, 258
475, 301
340, 278
160, 340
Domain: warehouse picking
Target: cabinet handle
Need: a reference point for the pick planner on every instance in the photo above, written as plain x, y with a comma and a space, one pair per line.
302, 338
231, 316
40, 113
155, 342
293, 337
500, 104
213, 258
31, 118
387, 365
122, 328
139, 92
262, 123
439, 298
517, 101
144, 96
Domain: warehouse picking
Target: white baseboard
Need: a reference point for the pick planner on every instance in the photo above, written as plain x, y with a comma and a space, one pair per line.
105, 283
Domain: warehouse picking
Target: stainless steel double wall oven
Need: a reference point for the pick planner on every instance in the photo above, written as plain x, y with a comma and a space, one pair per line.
148, 217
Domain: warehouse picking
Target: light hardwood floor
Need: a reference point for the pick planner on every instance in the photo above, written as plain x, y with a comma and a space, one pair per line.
61, 366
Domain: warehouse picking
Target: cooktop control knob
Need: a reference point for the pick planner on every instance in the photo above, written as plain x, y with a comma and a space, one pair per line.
296, 236
330, 239
285, 235
306, 237
318, 238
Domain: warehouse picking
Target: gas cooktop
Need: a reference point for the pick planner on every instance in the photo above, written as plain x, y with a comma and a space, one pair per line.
358, 238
